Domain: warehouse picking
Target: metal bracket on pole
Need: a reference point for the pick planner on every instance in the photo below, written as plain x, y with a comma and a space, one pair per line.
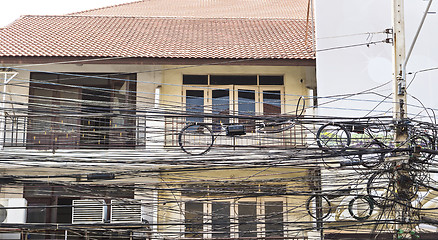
401, 86
389, 36
402, 110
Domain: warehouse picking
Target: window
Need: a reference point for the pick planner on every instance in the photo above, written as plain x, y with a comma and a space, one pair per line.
271, 102
220, 219
195, 103
195, 79
236, 99
274, 219
226, 214
233, 80
246, 218
233, 95
81, 110
271, 80
194, 219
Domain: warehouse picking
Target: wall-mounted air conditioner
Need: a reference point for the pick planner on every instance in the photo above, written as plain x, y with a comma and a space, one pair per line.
89, 211
126, 211
12, 210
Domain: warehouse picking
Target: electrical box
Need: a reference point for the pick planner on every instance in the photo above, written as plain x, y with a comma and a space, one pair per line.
235, 130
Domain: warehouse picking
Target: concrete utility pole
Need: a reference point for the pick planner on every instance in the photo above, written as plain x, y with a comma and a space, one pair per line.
400, 108
400, 95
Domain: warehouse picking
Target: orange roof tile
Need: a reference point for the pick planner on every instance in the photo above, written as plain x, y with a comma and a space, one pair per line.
286, 9
88, 36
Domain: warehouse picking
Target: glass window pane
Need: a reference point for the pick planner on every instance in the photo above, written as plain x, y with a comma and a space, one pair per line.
247, 219
274, 219
66, 125
195, 79
246, 106
246, 102
46, 77
221, 219
195, 105
221, 105
193, 219
94, 128
271, 80
231, 79
271, 102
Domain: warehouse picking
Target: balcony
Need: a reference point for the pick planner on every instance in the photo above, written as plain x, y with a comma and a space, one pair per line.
292, 138
110, 131
91, 131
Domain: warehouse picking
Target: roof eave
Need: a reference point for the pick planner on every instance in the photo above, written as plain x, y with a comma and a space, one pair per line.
13, 60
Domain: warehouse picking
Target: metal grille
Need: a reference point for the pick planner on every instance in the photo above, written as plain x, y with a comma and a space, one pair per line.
89, 211
124, 211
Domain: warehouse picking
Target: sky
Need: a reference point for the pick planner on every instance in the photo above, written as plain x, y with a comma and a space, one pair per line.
12, 10
356, 69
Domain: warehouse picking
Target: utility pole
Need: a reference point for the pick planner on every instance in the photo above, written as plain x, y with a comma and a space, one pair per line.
400, 107
400, 94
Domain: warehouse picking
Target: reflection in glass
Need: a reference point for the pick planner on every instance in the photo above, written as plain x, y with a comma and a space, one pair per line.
220, 106
195, 105
271, 103
246, 102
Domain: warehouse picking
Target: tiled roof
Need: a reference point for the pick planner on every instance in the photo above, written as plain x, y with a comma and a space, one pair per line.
285, 9
87, 36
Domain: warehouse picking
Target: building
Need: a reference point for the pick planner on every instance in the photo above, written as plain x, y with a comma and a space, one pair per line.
93, 103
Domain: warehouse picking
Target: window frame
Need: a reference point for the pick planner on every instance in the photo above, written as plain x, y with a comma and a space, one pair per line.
115, 135
260, 203
233, 96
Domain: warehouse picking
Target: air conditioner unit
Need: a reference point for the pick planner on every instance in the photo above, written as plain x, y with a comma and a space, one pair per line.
89, 211
126, 211
12, 210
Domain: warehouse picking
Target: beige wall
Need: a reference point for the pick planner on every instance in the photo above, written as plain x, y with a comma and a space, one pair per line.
11, 191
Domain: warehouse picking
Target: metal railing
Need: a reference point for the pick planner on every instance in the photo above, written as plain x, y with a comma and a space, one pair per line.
109, 131
73, 132
291, 138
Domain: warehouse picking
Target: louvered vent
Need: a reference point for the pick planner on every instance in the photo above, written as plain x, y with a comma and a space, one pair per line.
89, 211
125, 211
